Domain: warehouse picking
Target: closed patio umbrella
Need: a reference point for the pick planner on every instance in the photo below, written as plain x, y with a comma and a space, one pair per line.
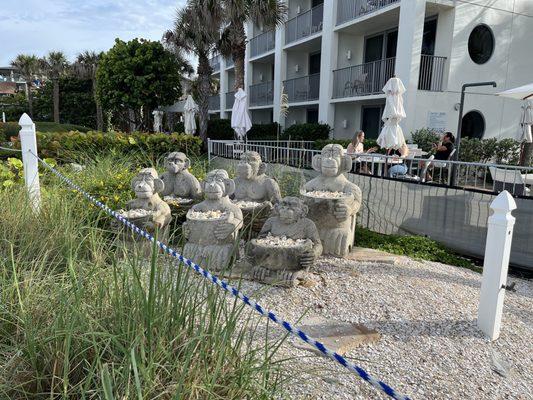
240, 120
391, 136
189, 112
526, 120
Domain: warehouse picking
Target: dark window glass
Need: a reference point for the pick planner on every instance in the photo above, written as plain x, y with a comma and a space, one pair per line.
473, 125
371, 121
481, 44
314, 63
374, 48
312, 115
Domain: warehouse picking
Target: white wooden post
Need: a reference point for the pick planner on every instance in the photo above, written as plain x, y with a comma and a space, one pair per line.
496, 264
28, 144
3, 117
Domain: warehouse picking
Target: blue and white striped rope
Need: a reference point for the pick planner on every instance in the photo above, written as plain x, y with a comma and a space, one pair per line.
235, 292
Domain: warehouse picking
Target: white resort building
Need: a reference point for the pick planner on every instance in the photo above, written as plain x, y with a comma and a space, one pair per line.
332, 57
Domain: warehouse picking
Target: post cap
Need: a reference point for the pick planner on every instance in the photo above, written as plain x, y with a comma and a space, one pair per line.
503, 203
25, 120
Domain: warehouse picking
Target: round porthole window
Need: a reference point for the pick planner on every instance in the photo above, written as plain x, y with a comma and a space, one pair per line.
473, 125
481, 44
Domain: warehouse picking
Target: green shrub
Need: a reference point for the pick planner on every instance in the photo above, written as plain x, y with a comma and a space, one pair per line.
220, 129
43, 126
14, 106
307, 132
425, 138
263, 131
8, 130
504, 151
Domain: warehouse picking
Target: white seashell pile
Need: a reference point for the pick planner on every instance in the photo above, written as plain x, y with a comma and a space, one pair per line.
206, 215
247, 204
321, 194
179, 200
135, 213
283, 241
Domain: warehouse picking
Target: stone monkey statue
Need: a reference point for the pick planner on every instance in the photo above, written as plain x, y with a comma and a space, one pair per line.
179, 182
335, 218
210, 243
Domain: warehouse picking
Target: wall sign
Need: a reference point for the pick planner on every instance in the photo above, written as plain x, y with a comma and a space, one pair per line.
437, 121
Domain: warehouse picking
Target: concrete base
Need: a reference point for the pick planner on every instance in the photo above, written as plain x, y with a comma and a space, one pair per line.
338, 336
370, 255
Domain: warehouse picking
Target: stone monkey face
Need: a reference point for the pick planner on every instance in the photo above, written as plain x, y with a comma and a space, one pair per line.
176, 162
250, 165
291, 210
332, 161
217, 185
146, 183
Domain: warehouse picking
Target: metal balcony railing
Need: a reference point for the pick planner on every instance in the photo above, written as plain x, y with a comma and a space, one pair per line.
230, 100
262, 94
431, 73
214, 102
262, 43
364, 79
305, 24
305, 88
352, 9
215, 63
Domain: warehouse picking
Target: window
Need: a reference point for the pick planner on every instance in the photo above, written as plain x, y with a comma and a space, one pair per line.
473, 125
481, 44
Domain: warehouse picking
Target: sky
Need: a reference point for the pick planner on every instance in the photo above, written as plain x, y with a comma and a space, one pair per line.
72, 26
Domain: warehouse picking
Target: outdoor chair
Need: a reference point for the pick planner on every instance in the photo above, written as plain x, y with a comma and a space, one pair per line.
442, 165
510, 180
356, 86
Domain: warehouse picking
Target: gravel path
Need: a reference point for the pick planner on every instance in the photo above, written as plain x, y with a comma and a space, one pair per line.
426, 315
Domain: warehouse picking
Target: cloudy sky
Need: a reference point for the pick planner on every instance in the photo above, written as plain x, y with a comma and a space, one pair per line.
72, 26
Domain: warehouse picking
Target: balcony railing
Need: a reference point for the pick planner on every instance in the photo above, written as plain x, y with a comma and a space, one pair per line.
262, 94
431, 73
230, 100
214, 102
305, 24
262, 43
306, 88
352, 9
229, 62
364, 79
215, 63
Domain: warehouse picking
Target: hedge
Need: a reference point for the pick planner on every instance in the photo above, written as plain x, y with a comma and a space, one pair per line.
10, 129
307, 132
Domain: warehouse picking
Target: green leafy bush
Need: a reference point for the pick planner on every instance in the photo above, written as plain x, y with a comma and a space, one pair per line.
307, 132
425, 138
220, 129
504, 151
14, 106
8, 130
263, 131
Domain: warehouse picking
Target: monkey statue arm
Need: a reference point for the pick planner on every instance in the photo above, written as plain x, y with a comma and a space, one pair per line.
265, 230
273, 191
308, 258
231, 226
195, 190
168, 189
162, 213
343, 209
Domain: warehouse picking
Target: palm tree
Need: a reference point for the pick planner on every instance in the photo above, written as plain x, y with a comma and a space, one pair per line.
28, 66
269, 13
85, 67
54, 66
197, 30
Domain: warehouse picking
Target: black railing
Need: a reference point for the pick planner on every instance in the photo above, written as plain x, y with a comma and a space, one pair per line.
230, 100
262, 94
305, 88
305, 24
262, 43
214, 102
431, 73
363, 79
352, 9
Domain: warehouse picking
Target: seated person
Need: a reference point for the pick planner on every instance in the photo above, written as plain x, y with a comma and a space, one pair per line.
442, 150
398, 170
356, 147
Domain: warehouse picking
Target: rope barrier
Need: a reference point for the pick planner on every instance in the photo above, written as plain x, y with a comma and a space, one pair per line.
234, 291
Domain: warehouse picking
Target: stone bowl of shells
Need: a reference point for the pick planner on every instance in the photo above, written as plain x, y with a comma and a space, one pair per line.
177, 204
279, 253
137, 216
254, 213
202, 226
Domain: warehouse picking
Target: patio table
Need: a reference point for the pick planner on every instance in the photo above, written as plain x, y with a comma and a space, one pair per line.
376, 160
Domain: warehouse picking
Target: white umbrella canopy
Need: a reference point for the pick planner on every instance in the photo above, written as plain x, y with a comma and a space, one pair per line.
240, 120
520, 93
189, 111
526, 120
391, 136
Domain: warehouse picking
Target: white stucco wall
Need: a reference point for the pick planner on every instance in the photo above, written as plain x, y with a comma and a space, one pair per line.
259, 69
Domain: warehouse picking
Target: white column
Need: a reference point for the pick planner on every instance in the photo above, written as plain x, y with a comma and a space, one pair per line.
248, 76
3, 117
496, 264
28, 144
280, 73
409, 49
328, 61
223, 87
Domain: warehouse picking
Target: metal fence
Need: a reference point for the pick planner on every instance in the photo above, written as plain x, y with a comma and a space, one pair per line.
262, 94
431, 73
230, 99
305, 88
352, 9
364, 79
262, 43
305, 24
214, 102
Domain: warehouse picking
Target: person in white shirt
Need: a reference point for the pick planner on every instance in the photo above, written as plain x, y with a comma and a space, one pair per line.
356, 147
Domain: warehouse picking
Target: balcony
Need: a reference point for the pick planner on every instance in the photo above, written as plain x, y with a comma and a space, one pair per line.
214, 62
306, 88
431, 76
230, 100
348, 10
364, 79
262, 43
214, 102
304, 25
262, 94
229, 62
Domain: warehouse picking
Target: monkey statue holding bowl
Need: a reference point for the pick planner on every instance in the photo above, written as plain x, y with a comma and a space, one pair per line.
287, 246
212, 226
147, 211
333, 200
181, 187
255, 193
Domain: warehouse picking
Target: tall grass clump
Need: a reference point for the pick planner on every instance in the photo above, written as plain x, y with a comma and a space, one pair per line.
78, 321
